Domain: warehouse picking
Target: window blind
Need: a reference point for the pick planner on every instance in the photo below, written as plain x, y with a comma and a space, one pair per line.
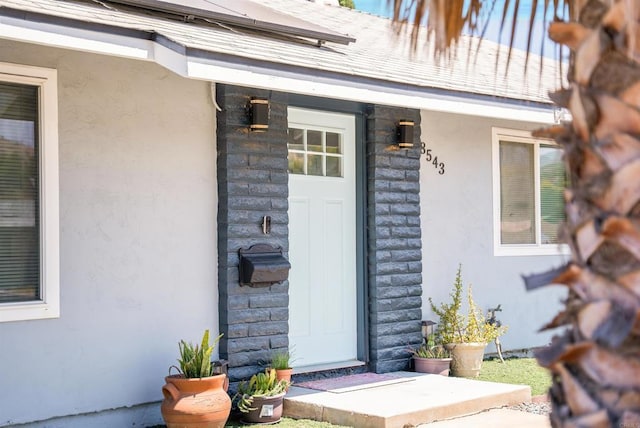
552, 184
19, 194
517, 193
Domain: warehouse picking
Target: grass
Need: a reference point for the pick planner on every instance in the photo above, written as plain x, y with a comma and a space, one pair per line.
522, 371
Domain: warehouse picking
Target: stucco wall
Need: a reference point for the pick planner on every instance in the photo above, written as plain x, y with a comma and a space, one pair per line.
457, 227
137, 240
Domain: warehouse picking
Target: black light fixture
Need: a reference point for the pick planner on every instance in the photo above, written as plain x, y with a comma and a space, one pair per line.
259, 114
405, 134
427, 328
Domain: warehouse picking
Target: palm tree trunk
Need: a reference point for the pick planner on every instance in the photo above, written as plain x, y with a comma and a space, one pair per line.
595, 363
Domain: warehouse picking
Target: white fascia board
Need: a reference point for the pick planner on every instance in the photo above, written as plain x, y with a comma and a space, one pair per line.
74, 38
261, 77
308, 84
92, 41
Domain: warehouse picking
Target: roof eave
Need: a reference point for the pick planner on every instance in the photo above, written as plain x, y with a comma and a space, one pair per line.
146, 45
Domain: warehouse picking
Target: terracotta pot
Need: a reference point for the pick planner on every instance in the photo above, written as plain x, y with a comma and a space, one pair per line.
466, 358
432, 365
267, 410
195, 403
284, 374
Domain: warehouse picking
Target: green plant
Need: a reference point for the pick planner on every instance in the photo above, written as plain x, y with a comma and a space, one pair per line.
281, 360
456, 327
195, 361
430, 349
347, 3
260, 385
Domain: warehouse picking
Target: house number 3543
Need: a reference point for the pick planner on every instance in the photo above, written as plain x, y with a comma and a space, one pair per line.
431, 157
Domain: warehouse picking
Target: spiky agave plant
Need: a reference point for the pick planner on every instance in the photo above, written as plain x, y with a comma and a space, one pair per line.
195, 361
281, 360
595, 363
263, 384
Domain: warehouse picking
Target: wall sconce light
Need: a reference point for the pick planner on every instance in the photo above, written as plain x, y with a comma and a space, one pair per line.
405, 134
259, 114
427, 329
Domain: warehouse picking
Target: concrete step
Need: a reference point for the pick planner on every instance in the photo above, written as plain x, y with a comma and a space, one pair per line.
421, 399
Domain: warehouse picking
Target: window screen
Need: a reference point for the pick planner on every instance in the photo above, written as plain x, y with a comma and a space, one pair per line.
517, 194
19, 194
553, 180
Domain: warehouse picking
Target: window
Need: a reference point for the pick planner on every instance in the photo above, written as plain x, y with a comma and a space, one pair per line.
29, 271
315, 152
529, 179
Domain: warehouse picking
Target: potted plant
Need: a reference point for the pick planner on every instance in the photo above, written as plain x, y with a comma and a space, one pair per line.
195, 396
464, 335
281, 363
261, 398
431, 357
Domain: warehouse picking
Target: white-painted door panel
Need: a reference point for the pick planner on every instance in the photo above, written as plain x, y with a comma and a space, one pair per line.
322, 237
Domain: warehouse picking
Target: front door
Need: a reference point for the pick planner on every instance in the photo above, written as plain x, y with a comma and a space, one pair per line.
322, 237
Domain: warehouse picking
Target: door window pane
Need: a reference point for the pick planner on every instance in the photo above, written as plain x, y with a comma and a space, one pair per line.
333, 143
296, 139
296, 163
314, 141
314, 165
19, 194
334, 166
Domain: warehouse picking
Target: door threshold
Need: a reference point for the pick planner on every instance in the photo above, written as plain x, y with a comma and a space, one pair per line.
328, 366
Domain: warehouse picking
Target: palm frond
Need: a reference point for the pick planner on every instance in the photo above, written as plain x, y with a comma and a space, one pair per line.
446, 20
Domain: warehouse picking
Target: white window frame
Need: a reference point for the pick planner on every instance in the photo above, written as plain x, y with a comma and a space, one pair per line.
537, 249
48, 306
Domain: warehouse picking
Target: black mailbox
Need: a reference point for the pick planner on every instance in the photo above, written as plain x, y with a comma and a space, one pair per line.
262, 265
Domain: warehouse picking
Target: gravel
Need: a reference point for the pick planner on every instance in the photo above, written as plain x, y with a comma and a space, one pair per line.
538, 405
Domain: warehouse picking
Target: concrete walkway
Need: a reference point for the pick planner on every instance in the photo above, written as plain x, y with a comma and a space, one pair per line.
420, 400
494, 418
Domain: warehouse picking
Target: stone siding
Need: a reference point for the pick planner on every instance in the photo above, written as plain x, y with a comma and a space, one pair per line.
253, 182
394, 240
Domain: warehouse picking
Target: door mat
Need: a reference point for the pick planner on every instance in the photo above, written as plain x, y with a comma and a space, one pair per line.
342, 384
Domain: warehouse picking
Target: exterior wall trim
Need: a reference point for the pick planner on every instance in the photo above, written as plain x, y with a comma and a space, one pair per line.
49, 305
498, 134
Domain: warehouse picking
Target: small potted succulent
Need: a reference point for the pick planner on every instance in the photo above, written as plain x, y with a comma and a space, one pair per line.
261, 398
431, 357
195, 395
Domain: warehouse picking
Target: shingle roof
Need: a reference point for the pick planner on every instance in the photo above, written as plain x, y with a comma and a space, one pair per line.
379, 53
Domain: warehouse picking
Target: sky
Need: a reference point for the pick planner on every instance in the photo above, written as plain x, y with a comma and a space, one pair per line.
380, 7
